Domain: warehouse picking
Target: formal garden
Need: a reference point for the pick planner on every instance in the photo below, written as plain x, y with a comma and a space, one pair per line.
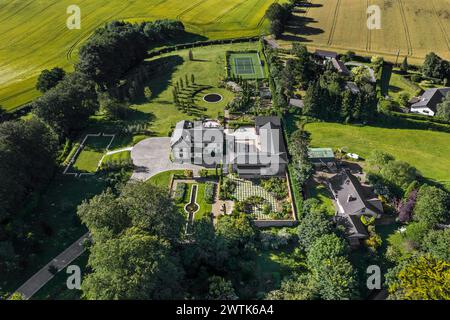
263, 199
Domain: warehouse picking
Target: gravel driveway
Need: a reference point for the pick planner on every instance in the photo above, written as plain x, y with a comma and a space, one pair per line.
151, 156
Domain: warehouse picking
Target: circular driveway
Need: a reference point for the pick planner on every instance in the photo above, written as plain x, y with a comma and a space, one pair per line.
152, 156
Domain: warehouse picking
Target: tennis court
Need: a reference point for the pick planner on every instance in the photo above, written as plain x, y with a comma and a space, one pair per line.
247, 65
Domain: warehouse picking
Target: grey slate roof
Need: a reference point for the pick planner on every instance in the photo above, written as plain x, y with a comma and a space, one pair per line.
354, 228
272, 125
349, 193
326, 54
340, 66
431, 98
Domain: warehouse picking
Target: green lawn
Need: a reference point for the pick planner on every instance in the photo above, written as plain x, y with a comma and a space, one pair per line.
321, 193
428, 151
118, 157
163, 179
92, 153
399, 84
208, 67
205, 208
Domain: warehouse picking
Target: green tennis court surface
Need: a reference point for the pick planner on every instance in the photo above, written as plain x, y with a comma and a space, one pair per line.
247, 65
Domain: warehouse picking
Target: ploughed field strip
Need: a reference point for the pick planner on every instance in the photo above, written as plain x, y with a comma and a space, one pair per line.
247, 188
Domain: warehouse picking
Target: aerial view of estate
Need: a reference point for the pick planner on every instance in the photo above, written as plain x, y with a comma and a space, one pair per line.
206, 150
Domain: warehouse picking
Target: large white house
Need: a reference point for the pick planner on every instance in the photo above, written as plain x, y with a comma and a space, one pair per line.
427, 103
257, 150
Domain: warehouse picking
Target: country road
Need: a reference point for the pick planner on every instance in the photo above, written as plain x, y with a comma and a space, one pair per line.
39, 279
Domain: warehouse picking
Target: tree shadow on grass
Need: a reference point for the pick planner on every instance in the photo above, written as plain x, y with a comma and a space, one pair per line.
186, 37
161, 70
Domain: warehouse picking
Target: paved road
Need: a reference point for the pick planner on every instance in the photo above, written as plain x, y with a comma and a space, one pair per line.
36, 282
152, 156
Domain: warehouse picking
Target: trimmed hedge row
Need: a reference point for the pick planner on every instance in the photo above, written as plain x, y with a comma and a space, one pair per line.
158, 52
210, 190
180, 192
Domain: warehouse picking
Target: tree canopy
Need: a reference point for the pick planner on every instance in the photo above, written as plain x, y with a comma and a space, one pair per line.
135, 265
67, 107
49, 79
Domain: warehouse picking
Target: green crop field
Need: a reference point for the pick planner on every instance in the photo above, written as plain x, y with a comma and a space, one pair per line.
410, 27
34, 36
428, 151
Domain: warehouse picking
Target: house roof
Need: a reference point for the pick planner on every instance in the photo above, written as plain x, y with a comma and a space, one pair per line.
431, 98
349, 193
274, 144
260, 121
339, 66
296, 103
326, 54
354, 228
178, 132
317, 153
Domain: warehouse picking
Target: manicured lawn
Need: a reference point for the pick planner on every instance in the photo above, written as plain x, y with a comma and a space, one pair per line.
163, 179
399, 84
205, 208
208, 68
428, 151
118, 157
321, 193
92, 153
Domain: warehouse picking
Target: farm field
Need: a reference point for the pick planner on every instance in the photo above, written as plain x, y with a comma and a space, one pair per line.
410, 27
34, 36
428, 151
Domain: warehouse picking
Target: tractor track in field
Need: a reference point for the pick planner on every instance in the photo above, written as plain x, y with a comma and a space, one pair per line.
34, 15
369, 33
333, 26
220, 17
16, 12
26, 35
195, 5
405, 27
83, 36
444, 32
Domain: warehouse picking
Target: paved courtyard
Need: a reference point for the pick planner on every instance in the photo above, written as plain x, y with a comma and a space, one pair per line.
152, 156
